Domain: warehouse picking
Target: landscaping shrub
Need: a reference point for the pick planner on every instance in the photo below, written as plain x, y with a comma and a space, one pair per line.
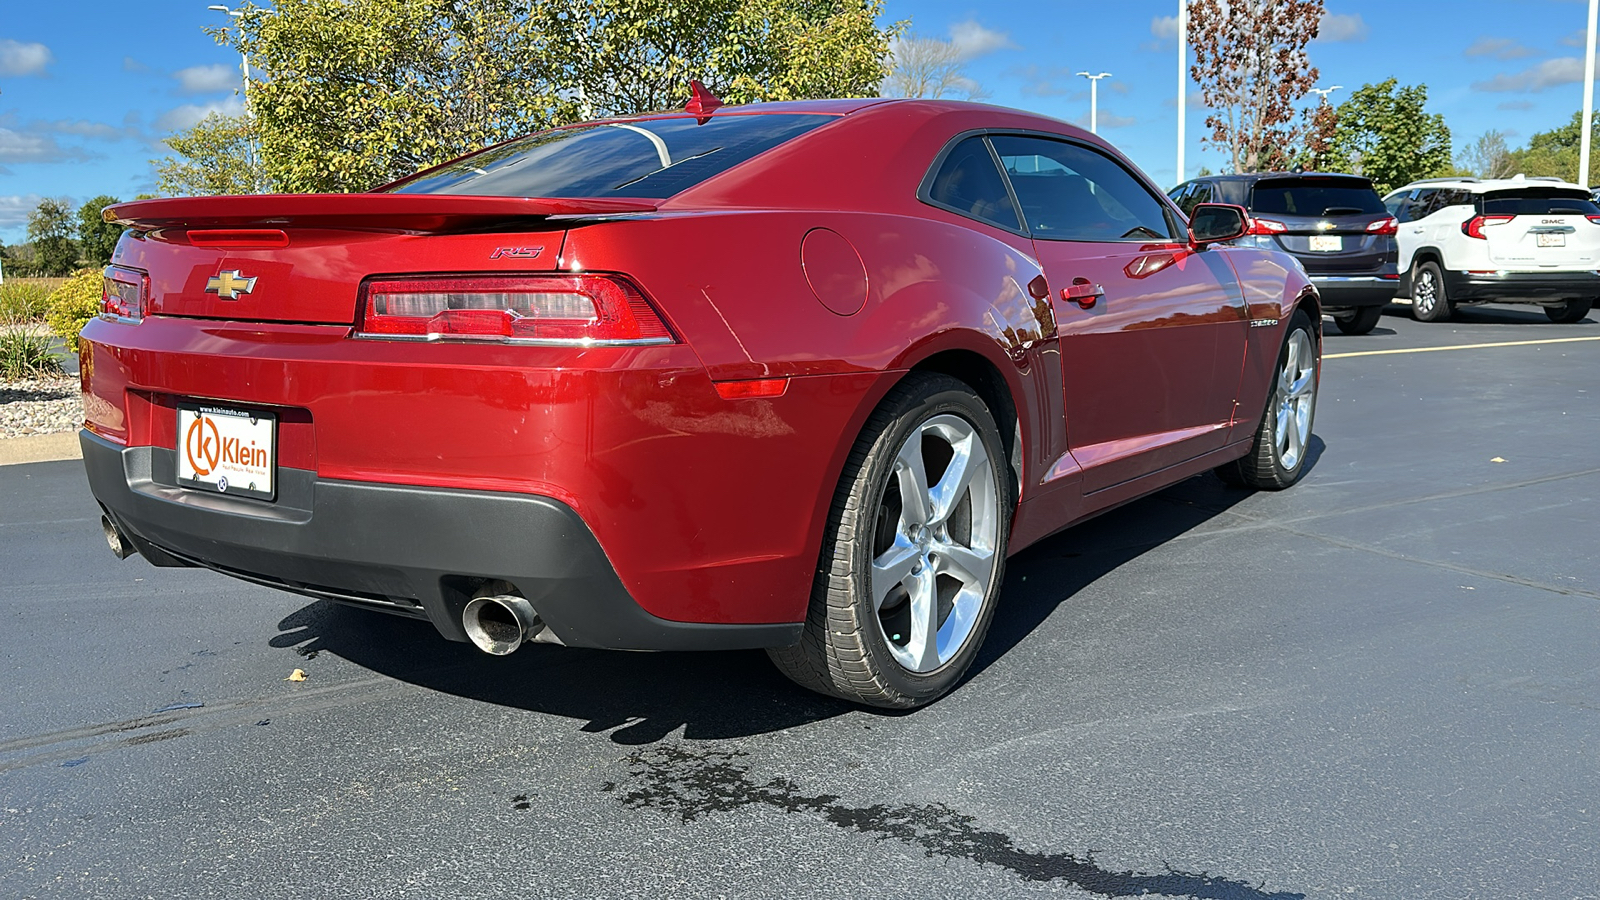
73, 304
23, 301
25, 352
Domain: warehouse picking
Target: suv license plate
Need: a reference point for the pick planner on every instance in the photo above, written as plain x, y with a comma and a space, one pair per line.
1326, 243
1552, 239
228, 451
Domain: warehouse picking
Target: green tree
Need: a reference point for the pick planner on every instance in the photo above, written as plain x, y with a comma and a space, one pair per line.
216, 156
1557, 152
97, 238
1385, 134
360, 92
50, 230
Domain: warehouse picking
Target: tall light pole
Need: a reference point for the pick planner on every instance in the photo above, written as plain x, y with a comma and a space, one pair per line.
1324, 92
1183, 81
1094, 97
1588, 97
244, 61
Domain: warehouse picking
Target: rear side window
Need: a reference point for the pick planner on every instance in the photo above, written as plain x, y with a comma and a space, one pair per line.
1319, 197
652, 158
968, 182
1071, 193
1539, 202
1199, 192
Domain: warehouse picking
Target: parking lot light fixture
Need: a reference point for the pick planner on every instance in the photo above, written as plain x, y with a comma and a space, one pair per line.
1094, 99
244, 61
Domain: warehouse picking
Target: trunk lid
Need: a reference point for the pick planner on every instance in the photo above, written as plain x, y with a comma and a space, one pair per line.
302, 258
1326, 218
1550, 228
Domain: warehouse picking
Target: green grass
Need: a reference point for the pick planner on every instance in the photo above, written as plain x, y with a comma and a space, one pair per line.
25, 353
26, 299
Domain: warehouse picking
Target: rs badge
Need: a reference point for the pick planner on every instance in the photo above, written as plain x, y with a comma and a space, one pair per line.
230, 285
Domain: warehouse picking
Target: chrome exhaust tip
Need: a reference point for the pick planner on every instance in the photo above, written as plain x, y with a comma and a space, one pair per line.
115, 539
498, 624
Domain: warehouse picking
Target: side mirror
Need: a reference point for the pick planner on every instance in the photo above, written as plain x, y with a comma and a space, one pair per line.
1212, 223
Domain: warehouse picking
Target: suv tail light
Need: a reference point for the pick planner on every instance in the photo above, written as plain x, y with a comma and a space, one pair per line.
1387, 226
576, 310
1474, 226
123, 293
1267, 226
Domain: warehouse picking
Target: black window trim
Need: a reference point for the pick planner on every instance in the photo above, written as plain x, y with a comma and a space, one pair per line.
1176, 221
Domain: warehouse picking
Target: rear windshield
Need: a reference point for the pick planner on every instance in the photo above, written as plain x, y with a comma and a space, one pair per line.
1539, 202
651, 158
1320, 197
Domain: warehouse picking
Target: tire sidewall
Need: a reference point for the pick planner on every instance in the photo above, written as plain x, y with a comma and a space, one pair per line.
953, 400
1440, 308
1281, 473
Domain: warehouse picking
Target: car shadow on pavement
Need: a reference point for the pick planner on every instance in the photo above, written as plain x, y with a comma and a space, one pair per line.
641, 698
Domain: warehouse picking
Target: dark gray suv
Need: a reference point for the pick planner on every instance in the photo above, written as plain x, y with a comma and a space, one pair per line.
1336, 225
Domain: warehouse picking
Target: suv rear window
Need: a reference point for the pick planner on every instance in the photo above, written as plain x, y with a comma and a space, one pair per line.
1539, 202
1316, 197
651, 158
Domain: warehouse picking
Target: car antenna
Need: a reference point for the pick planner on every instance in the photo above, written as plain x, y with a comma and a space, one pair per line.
702, 103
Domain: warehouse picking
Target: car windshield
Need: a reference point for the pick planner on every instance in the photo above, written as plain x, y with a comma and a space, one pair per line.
652, 158
1316, 197
1539, 202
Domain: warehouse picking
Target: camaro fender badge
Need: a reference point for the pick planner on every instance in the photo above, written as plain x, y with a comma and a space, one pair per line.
1263, 323
516, 253
230, 285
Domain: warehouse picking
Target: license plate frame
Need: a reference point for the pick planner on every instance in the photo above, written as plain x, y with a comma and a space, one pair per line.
1327, 243
226, 450
1550, 239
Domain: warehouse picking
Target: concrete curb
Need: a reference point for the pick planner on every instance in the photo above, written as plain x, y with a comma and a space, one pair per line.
40, 448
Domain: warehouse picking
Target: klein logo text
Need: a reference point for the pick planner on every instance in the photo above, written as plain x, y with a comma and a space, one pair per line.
516, 253
206, 449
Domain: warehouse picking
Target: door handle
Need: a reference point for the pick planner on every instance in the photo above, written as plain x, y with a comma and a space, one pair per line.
1083, 292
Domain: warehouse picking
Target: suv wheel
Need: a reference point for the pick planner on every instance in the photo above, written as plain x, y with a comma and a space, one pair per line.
1359, 321
1428, 300
1569, 312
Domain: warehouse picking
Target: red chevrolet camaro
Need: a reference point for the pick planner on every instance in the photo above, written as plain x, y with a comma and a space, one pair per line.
796, 376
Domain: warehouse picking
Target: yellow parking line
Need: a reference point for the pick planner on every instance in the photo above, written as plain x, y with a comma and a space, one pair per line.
1459, 347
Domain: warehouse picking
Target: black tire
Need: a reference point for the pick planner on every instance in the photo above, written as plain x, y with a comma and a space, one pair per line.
1429, 303
845, 650
1360, 320
1569, 312
1268, 466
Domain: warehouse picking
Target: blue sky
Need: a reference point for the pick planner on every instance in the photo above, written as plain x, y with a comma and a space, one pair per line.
88, 88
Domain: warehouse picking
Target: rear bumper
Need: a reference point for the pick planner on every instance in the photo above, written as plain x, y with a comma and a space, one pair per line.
1521, 287
413, 551
1347, 291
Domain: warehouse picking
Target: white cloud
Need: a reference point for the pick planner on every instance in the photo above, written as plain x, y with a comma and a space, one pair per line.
1337, 28
17, 58
1550, 73
187, 115
35, 147
207, 79
1106, 120
1499, 48
14, 210
1164, 28
972, 40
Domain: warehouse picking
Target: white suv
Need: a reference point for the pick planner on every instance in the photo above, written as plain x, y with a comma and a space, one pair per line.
1508, 240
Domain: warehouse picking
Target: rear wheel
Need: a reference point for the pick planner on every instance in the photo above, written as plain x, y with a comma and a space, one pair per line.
914, 553
1359, 321
1570, 311
1428, 300
1277, 459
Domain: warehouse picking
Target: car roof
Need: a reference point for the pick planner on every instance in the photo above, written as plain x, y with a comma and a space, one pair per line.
1485, 185
1263, 176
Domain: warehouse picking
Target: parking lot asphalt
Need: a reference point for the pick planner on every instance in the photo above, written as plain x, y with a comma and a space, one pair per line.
1382, 683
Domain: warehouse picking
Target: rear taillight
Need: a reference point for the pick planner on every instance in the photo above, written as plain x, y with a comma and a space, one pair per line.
1386, 226
577, 310
1594, 219
123, 293
1474, 226
1267, 226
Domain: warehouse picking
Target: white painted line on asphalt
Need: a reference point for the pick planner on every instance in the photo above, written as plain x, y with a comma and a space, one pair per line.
1459, 347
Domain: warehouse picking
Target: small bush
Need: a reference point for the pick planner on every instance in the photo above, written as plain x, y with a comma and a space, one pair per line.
73, 304
23, 301
25, 352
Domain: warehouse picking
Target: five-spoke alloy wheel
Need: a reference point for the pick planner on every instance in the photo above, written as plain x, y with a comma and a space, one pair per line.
914, 553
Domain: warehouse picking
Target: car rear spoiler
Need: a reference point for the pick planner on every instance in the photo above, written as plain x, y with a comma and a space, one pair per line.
383, 212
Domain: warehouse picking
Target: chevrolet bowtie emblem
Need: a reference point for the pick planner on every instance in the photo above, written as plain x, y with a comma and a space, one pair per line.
230, 284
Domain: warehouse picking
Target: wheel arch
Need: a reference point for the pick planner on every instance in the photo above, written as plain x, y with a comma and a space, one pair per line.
979, 373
